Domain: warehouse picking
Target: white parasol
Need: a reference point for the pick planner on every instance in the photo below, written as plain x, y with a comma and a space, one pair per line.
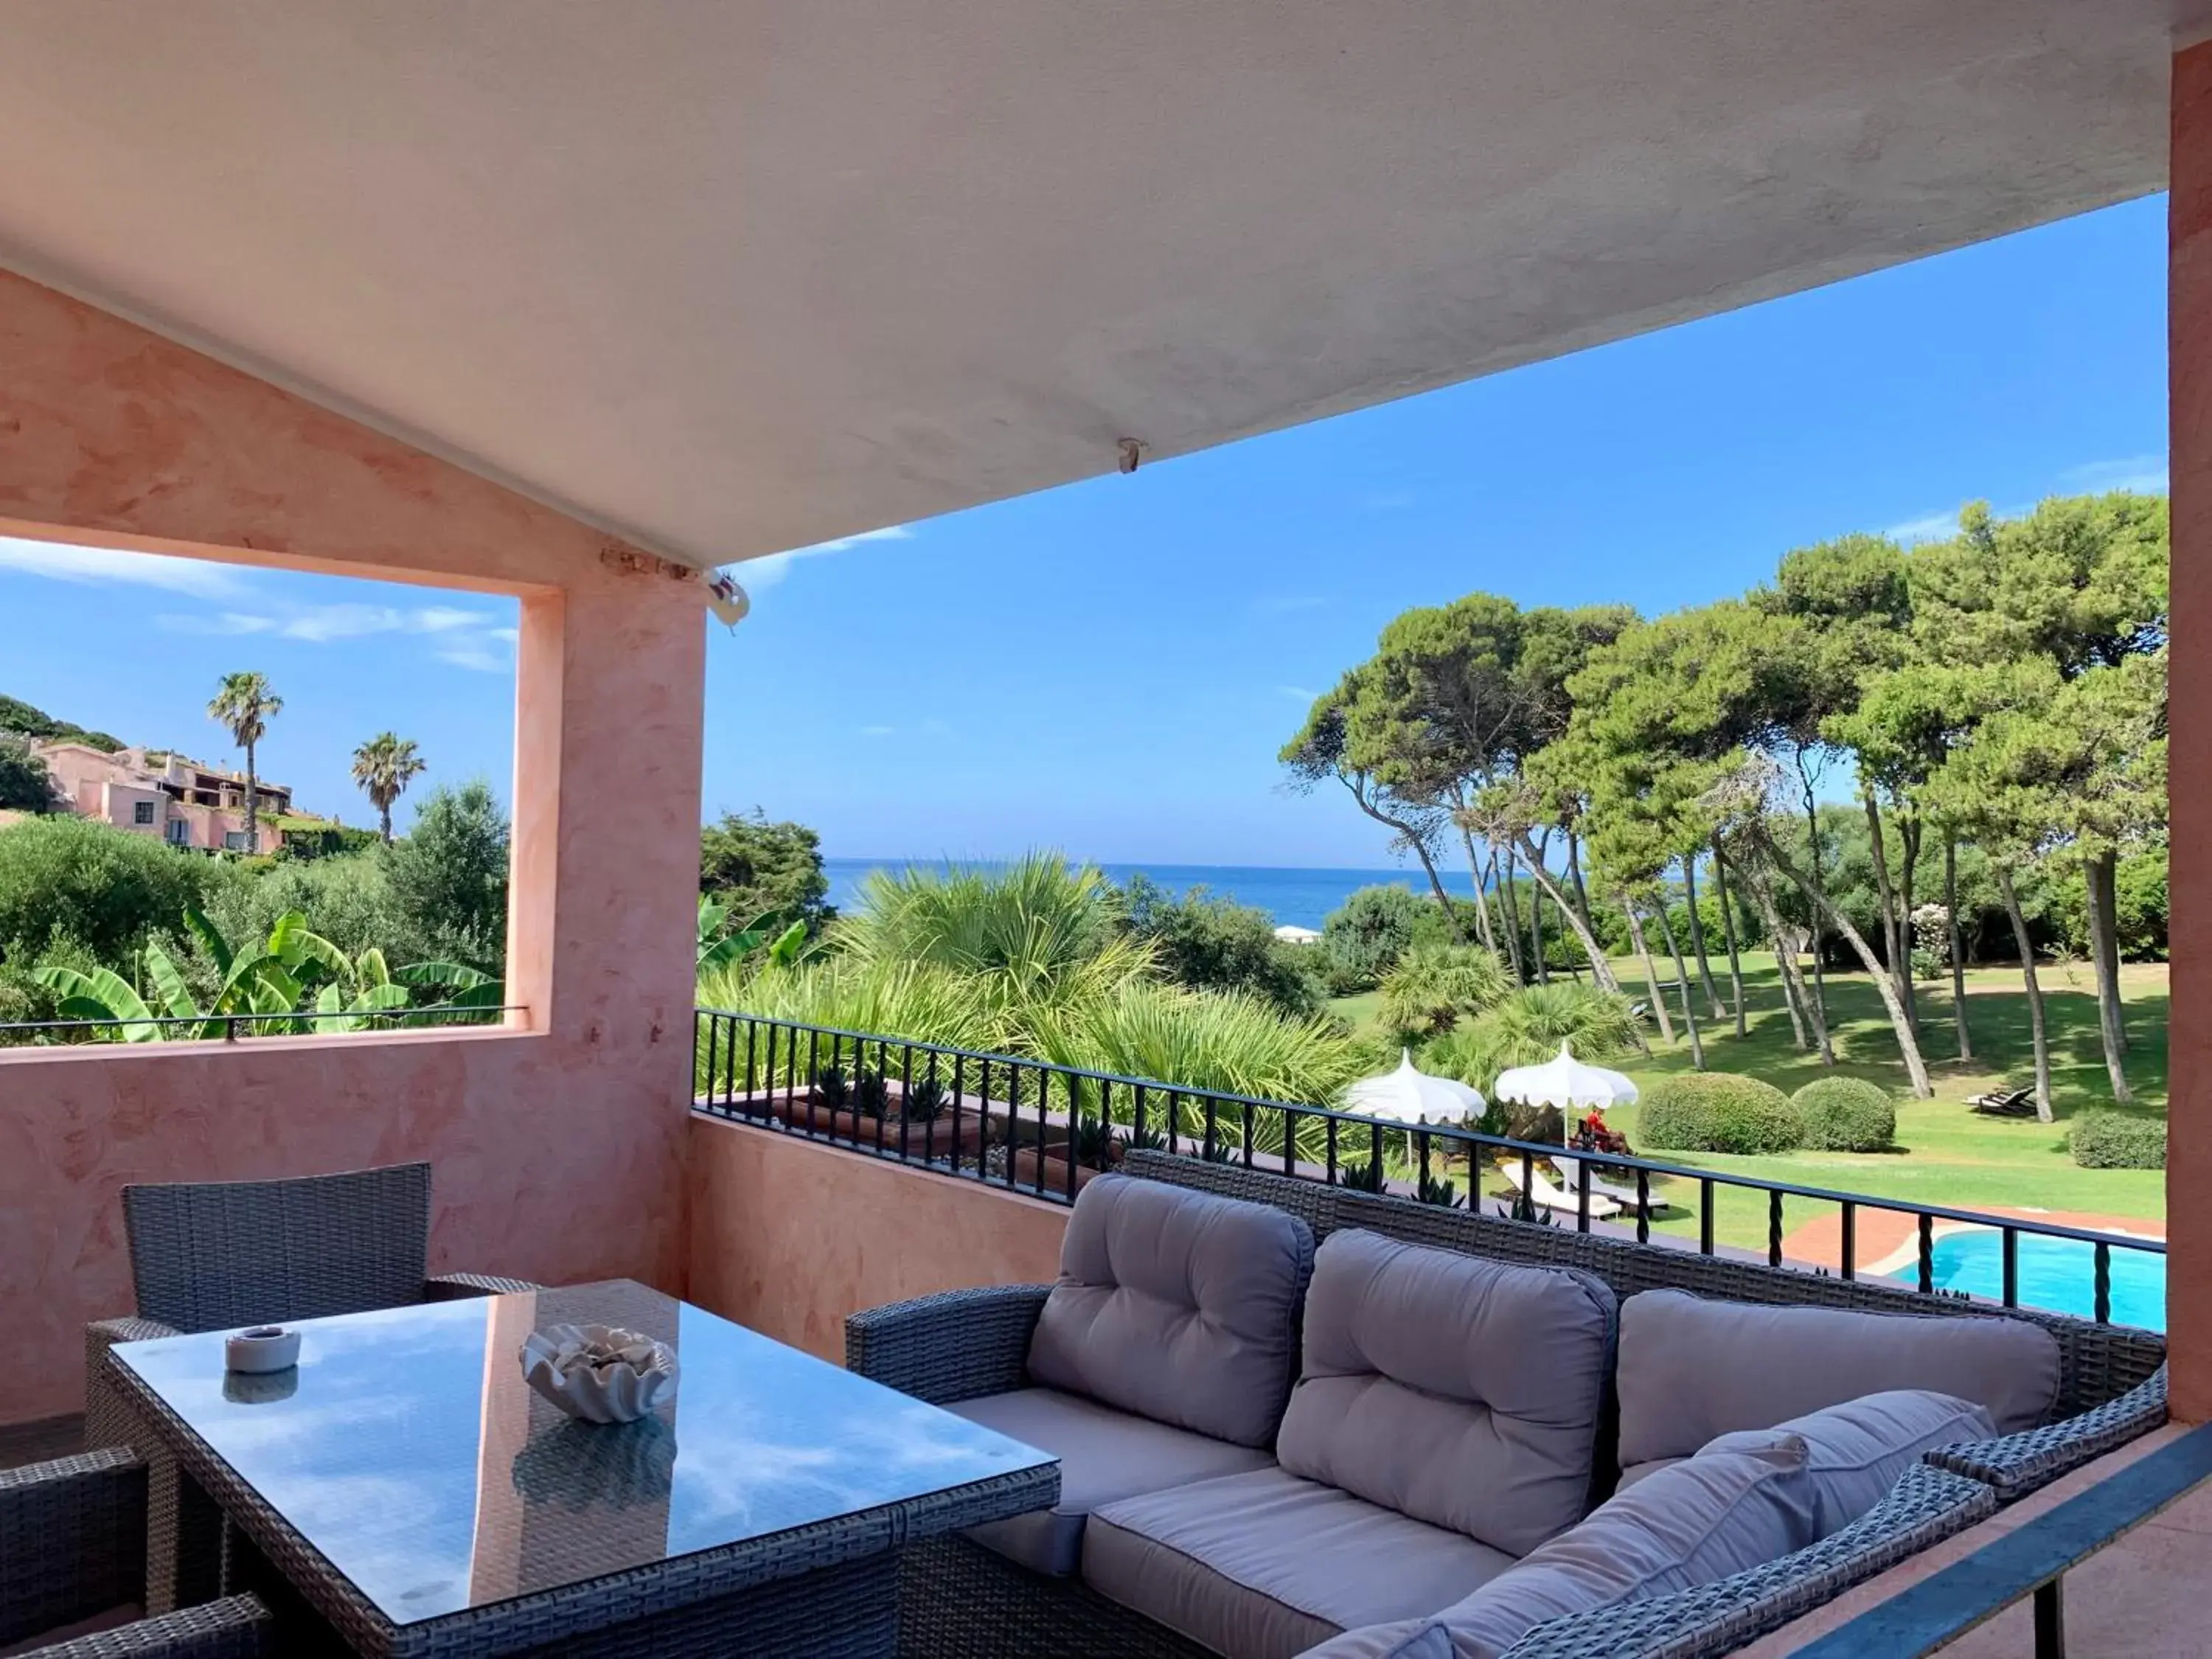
1565, 1083
1409, 1095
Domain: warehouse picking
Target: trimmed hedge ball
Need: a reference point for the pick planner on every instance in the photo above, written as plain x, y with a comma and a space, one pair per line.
2110, 1141
1844, 1114
1717, 1112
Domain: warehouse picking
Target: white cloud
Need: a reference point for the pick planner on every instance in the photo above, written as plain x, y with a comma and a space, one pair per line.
2144, 473
755, 576
877, 730
103, 565
1929, 527
464, 638
1297, 693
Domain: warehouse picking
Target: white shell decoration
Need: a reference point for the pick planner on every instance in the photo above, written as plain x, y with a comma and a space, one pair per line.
599, 1373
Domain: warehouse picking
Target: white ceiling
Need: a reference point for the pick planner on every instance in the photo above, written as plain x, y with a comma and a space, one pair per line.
734, 275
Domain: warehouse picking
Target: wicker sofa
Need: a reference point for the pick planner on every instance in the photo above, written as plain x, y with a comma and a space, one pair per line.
961, 1601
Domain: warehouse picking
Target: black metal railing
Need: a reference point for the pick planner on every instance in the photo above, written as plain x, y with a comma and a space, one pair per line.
1042, 1130
236, 1027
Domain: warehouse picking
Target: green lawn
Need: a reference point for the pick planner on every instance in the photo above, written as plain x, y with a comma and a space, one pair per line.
1948, 1155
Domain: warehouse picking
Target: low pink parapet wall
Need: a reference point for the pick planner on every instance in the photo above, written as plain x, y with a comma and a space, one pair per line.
789, 1236
550, 1160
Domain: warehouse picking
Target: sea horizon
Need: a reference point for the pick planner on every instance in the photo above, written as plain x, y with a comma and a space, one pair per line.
1294, 895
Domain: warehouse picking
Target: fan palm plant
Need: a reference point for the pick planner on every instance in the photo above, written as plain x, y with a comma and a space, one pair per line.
244, 705
1528, 1027
384, 767
1434, 987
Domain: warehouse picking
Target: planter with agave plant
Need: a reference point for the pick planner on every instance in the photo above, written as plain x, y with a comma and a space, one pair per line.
1098, 1147
870, 1108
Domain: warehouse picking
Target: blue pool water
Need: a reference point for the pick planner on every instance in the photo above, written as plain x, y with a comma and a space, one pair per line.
2057, 1273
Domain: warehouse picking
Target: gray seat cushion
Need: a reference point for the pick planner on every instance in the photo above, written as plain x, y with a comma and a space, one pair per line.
1636, 1472
1104, 1455
1699, 1520
1264, 1565
1409, 1638
1178, 1306
1692, 1369
1855, 1452
1458, 1390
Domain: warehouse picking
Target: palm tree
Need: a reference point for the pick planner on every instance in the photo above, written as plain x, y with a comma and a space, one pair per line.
244, 703
384, 767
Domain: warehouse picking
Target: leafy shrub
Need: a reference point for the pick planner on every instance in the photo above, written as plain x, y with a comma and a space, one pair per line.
25, 785
1363, 938
757, 868
1844, 1114
1214, 1040
107, 889
1718, 1112
1211, 943
449, 879
2112, 1140
1434, 987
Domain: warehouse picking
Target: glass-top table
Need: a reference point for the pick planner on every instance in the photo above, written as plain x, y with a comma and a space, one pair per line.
407, 1482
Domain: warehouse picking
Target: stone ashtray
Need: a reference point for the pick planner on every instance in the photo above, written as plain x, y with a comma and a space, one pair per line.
599, 1373
263, 1349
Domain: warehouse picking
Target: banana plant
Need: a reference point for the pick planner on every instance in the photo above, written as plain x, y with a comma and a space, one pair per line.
717, 949
452, 985
296, 972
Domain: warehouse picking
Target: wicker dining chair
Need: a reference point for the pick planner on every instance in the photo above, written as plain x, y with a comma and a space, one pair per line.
216, 1255
73, 1548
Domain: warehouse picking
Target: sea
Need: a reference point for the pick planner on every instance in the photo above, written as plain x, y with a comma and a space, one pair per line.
1294, 897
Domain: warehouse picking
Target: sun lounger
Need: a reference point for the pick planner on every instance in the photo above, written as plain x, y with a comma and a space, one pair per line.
1541, 1193
1569, 1171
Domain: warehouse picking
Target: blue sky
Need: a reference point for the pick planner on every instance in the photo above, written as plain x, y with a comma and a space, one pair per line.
1110, 668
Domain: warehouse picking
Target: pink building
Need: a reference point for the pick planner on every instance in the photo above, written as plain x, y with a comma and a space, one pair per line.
159, 793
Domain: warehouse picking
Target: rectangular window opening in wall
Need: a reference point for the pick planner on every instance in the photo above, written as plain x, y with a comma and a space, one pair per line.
288, 741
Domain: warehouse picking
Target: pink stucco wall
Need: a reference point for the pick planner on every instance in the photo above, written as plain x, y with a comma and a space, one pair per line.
558, 1144
789, 1236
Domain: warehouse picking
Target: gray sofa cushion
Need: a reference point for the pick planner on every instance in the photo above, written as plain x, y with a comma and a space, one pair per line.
1682, 1527
1692, 1370
1636, 1472
1265, 1566
1176, 1305
1408, 1638
1855, 1452
1104, 1455
1461, 1391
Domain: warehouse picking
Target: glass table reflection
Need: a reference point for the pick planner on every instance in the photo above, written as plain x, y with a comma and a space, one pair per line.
406, 1452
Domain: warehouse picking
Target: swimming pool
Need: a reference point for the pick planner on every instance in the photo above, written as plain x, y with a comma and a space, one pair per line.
2057, 1273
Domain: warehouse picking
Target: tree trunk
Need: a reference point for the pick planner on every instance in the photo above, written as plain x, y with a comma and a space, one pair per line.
384, 823
1481, 889
1537, 919
2043, 1111
1574, 873
1818, 892
1786, 956
1893, 927
1409, 835
2095, 873
1650, 972
1908, 838
1698, 935
1682, 984
2108, 884
1601, 969
1958, 954
1908, 1045
1509, 905
1728, 927
252, 816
